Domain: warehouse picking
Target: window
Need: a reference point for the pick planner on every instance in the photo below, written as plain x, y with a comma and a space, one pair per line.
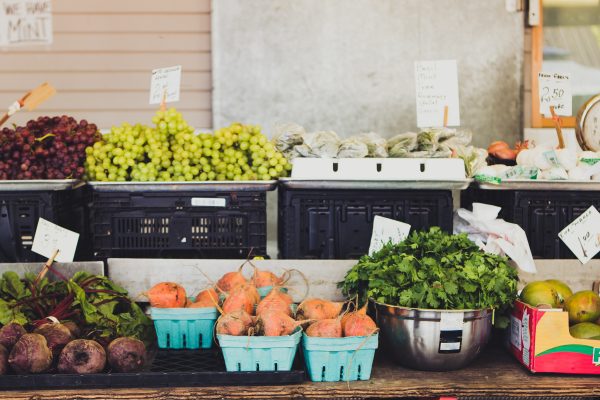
567, 40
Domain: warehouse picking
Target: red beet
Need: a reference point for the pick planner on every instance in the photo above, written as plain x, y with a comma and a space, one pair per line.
10, 334
127, 354
30, 355
82, 356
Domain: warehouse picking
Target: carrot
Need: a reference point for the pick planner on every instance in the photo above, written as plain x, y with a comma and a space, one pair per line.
358, 323
331, 327
318, 309
236, 323
243, 297
262, 278
276, 323
276, 300
230, 280
167, 295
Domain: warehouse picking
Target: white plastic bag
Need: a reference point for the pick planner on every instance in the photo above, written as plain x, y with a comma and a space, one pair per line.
495, 235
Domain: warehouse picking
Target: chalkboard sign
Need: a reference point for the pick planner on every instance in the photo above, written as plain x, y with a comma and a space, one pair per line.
25, 22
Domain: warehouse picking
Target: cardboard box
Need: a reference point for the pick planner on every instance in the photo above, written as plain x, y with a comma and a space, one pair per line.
540, 339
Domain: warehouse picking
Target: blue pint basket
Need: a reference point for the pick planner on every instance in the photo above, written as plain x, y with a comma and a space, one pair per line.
265, 290
259, 353
337, 359
184, 328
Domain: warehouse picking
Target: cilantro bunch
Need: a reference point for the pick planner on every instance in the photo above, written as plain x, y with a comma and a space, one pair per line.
434, 270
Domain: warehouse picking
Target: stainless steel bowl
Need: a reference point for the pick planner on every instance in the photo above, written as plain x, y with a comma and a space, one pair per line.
433, 340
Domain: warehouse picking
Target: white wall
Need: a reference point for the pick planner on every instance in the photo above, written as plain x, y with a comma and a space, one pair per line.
347, 65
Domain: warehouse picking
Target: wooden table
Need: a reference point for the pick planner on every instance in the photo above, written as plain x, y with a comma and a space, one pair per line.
495, 373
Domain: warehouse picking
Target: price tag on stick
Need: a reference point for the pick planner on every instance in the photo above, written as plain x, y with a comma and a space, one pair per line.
555, 90
50, 237
437, 93
582, 236
165, 85
387, 230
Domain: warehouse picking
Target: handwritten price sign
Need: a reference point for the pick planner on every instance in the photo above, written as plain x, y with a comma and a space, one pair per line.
582, 235
555, 90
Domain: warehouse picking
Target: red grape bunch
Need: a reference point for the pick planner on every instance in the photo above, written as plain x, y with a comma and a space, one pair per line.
46, 148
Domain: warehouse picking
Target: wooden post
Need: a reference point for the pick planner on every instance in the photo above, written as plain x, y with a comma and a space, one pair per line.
44, 270
557, 126
445, 116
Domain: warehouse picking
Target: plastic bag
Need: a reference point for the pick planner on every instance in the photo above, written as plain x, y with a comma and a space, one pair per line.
450, 139
473, 157
286, 136
495, 235
428, 140
402, 144
324, 144
376, 144
352, 148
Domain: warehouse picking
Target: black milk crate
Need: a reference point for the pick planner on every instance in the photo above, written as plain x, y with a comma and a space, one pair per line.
213, 220
23, 203
170, 368
541, 213
337, 223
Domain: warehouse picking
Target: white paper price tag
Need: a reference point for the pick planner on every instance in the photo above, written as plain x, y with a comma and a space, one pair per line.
167, 82
582, 236
50, 237
437, 88
386, 230
452, 321
555, 90
208, 202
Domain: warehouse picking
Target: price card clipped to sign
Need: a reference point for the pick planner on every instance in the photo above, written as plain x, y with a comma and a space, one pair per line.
437, 93
387, 230
555, 90
50, 237
582, 236
165, 85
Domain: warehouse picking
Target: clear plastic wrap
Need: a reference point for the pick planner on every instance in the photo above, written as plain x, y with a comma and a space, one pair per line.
450, 139
324, 144
428, 140
473, 157
352, 148
286, 136
376, 145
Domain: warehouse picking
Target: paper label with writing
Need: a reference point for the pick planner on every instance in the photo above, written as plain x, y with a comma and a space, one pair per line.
437, 88
25, 22
387, 230
50, 237
521, 172
452, 321
526, 339
167, 82
515, 332
208, 202
582, 236
555, 90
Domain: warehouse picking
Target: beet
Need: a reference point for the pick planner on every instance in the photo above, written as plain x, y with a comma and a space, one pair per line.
30, 355
82, 356
10, 334
73, 328
57, 336
127, 354
3, 360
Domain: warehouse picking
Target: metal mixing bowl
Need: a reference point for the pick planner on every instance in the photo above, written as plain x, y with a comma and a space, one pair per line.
433, 340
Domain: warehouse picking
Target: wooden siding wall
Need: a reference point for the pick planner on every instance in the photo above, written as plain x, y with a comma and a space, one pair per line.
102, 57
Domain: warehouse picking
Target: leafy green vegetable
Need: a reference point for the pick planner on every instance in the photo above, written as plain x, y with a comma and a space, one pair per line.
97, 304
434, 270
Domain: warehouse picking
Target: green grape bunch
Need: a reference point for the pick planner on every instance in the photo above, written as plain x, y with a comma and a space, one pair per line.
172, 151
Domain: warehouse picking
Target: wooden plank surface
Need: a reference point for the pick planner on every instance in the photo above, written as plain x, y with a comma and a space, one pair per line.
130, 6
189, 22
495, 373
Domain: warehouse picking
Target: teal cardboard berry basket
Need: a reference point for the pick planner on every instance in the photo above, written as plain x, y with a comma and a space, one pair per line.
259, 353
339, 359
184, 328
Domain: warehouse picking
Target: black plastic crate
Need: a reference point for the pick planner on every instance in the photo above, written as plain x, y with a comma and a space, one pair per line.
337, 223
20, 211
168, 224
170, 368
542, 214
